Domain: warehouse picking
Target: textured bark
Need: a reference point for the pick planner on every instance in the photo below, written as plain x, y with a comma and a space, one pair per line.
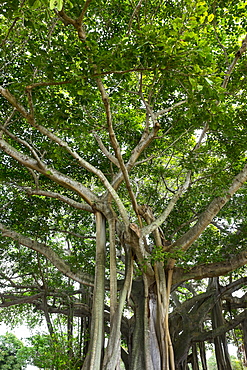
194, 358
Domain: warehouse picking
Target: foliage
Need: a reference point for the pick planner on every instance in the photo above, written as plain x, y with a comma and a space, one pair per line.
52, 352
236, 364
123, 176
13, 354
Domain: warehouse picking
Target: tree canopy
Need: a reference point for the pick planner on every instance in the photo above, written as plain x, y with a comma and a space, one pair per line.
123, 177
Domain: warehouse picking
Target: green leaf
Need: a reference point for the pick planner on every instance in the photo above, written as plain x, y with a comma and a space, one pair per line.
52, 4
210, 82
59, 5
210, 17
56, 4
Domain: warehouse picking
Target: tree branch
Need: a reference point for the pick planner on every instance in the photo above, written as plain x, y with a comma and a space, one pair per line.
238, 55
52, 83
144, 142
51, 173
48, 252
209, 270
220, 330
116, 145
12, 26
26, 299
164, 111
24, 143
63, 198
211, 211
12, 100
76, 23
155, 224
105, 151
84, 10
133, 15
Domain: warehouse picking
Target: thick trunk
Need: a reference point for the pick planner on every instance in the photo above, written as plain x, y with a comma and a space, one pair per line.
136, 338
149, 345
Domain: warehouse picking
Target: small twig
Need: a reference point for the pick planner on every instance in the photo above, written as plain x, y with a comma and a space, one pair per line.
193, 219
30, 102
220, 43
146, 230
9, 31
83, 12
5, 206
25, 143
6, 123
166, 186
164, 111
133, 15
37, 84
12, 26
58, 196
74, 234
35, 177
238, 55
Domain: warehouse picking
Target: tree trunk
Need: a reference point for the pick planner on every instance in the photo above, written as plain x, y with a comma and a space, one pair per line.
137, 334
244, 329
150, 343
220, 342
93, 360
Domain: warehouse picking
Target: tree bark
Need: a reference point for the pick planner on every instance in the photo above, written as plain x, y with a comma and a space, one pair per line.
220, 342
93, 360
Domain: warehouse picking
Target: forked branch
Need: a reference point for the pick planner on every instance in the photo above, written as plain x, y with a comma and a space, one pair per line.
30, 119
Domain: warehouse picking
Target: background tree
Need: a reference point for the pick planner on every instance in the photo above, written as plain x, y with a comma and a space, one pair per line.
13, 354
123, 150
